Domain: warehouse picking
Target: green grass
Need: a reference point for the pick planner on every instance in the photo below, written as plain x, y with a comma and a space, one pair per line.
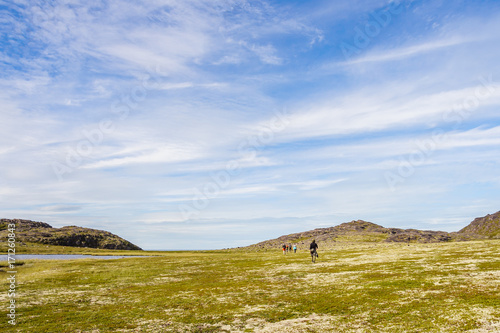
369, 287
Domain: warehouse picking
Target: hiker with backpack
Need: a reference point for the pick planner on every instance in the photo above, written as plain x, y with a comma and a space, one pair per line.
313, 247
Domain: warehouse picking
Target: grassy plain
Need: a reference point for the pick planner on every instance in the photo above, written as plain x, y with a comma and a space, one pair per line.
369, 287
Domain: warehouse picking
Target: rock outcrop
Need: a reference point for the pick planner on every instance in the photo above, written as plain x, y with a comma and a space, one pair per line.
363, 231
487, 226
39, 232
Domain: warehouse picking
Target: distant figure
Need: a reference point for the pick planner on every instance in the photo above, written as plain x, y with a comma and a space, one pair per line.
284, 248
313, 247
295, 248
290, 247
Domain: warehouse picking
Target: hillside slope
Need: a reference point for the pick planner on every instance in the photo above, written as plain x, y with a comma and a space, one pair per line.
488, 226
39, 232
363, 231
360, 231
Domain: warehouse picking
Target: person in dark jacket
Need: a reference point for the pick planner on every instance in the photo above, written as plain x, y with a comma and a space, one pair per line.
313, 247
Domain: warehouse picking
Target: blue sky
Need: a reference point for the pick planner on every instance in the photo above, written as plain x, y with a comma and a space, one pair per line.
212, 124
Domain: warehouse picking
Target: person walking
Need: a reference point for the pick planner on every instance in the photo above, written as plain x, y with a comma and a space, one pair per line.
295, 248
284, 248
313, 248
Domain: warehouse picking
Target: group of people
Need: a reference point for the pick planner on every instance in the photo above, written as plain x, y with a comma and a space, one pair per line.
288, 248
312, 248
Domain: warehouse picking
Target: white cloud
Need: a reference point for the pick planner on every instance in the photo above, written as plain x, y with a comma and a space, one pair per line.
162, 154
60, 208
368, 112
267, 54
410, 51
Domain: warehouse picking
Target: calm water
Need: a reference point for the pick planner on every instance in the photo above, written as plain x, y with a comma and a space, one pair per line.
63, 257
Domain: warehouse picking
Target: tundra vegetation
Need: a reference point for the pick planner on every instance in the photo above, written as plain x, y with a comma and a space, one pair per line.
353, 287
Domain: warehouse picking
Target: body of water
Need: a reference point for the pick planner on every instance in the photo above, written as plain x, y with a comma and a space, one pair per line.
63, 257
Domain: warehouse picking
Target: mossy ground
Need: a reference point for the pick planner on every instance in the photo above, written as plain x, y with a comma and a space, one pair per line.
370, 287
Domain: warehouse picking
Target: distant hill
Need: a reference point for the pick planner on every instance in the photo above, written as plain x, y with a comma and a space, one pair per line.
488, 226
39, 232
363, 231
357, 231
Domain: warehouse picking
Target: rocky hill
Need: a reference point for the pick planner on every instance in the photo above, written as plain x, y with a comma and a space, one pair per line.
363, 231
39, 232
488, 226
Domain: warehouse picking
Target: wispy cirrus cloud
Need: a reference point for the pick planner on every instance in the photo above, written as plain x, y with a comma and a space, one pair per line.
409, 51
60, 208
162, 154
